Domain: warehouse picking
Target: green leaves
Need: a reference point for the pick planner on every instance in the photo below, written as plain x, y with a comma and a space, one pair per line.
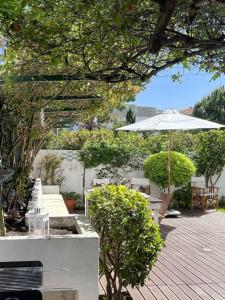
210, 153
129, 239
117, 150
156, 169
212, 107
112, 41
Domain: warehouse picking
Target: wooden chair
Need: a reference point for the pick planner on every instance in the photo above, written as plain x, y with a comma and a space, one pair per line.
203, 196
141, 184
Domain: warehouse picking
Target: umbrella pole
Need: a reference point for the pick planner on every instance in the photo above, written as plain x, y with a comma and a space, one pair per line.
169, 161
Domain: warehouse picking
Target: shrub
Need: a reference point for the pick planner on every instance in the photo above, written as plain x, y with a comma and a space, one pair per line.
156, 169
182, 197
130, 239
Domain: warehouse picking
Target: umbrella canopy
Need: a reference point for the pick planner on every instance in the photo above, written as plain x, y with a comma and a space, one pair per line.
171, 120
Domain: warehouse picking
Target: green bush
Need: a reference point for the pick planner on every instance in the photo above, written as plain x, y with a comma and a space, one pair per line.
130, 239
182, 197
156, 169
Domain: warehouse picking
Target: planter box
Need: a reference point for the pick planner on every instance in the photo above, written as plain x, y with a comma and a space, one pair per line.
70, 262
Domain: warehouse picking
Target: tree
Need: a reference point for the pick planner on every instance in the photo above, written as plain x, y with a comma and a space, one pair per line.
181, 142
29, 110
212, 107
209, 155
114, 153
156, 169
112, 41
129, 238
130, 116
28, 113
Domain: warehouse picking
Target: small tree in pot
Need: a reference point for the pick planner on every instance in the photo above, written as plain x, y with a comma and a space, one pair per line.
156, 170
129, 238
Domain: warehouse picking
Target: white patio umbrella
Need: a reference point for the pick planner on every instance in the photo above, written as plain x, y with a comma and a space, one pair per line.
170, 120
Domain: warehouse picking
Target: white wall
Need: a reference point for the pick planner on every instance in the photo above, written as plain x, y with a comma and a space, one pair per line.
69, 262
221, 184
73, 172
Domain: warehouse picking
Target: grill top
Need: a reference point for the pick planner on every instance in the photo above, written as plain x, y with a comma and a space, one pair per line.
15, 276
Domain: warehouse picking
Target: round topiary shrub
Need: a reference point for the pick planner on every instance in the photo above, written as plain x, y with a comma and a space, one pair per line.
156, 169
129, 238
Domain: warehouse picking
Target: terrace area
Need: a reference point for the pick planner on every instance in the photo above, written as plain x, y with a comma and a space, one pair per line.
191, 264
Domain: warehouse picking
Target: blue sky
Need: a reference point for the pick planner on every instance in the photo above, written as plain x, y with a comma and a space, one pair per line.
163, 93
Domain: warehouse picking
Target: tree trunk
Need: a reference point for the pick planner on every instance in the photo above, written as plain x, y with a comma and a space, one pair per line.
166, 198
2, 224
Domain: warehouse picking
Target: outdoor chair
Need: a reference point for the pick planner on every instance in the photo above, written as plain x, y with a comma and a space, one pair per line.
141, 184
203, 196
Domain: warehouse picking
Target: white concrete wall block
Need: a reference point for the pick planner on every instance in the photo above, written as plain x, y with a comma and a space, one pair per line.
69, 262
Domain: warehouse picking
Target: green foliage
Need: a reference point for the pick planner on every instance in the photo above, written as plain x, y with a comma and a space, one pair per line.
222, 203
114, 41
116, 150
212, 107
129, 238
70, 140
71, 195
209, 154
181, 141
130, 116
182, 197
50, 171
156, 169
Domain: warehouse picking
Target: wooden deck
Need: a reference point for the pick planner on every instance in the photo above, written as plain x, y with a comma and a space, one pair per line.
191, 266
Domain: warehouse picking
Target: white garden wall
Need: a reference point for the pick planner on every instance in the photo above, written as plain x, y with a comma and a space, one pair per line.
73, 172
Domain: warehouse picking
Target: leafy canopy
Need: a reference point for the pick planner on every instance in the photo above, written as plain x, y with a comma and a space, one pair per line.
210, 154
129, 238
113, 40
108, 148
156, 169
212, 107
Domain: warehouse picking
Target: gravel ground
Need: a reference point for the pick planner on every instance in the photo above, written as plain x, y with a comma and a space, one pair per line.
52, 231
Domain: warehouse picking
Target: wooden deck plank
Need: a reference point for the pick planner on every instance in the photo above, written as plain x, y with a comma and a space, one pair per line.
135, 294
201, 292
207, 274
158, 293
101, 291
210, 291
191, 266
179, 292
217, 271
208, 258
186, 276
146, 292
218, 289
168, 292
191, 293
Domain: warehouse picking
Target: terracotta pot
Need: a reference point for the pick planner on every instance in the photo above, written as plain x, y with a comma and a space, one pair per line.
70, 204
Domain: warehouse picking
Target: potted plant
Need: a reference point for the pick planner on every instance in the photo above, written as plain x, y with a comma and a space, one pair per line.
51, 173
70, 200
